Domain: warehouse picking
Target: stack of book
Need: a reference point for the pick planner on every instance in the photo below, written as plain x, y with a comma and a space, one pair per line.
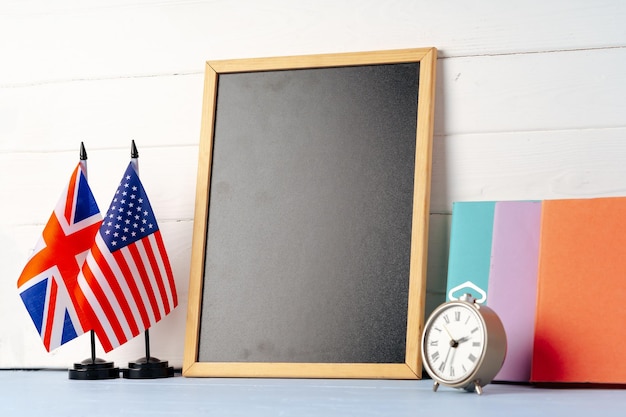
555, 272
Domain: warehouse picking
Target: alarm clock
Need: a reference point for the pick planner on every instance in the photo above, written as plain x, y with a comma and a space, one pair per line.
463, 345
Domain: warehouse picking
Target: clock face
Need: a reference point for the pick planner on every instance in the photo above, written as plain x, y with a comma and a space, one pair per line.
453, 343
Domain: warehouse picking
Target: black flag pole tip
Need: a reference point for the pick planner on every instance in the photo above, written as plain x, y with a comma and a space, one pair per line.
83, 152
133, 149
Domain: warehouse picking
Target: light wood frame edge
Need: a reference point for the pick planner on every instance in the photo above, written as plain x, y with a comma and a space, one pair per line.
412, 369
421, 210
201, 211
320, 60
300, 370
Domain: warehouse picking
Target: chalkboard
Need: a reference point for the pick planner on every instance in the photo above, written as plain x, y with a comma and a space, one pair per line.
311, 217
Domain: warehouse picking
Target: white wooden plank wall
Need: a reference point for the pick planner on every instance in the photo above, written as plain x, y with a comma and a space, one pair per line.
531, 104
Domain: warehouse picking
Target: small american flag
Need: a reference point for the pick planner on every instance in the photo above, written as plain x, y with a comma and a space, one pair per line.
48, 280
126, 283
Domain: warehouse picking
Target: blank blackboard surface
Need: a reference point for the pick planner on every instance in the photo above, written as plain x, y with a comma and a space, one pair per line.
305, 245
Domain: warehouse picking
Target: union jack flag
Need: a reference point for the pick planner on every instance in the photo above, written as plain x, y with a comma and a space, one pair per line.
48, 281
126, 283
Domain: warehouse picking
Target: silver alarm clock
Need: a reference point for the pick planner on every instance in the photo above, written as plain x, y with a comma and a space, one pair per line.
463, 345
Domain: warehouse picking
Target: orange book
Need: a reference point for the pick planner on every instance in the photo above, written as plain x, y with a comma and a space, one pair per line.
580, 328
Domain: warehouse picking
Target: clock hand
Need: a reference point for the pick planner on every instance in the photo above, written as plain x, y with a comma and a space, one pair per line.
451, 349
464, 339
449, 334
453, 342
445, 361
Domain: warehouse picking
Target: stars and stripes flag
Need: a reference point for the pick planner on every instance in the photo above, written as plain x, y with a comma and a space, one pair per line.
48, 280
126, 283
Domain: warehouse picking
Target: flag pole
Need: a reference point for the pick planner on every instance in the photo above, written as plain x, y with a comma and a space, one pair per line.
83, 162
92, 368
147, 367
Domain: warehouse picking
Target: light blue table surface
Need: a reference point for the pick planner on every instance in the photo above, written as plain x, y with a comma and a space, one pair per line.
51, 393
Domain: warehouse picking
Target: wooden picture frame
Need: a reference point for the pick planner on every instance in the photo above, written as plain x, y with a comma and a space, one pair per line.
311, 217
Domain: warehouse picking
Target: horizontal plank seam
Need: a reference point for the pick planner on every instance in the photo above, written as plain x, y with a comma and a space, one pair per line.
523, 132
442, 52
162, 220
91, 149
92, 79
442, 56
90, 9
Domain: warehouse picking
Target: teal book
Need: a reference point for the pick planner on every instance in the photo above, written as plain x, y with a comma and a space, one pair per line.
469, 261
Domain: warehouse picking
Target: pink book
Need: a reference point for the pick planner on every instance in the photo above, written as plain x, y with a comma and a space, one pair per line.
513, 282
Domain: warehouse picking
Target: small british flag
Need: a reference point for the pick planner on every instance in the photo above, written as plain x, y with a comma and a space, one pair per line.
47, 283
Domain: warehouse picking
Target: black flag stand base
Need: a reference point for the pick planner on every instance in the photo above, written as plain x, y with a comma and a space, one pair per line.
90, 369
94, 368
148, 367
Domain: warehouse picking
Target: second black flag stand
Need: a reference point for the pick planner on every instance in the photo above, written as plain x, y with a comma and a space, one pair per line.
92, 368
147, 367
